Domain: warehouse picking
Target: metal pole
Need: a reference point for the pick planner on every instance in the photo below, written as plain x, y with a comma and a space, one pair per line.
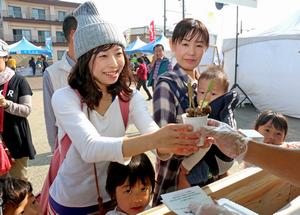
236, 44
165, 17
183, 15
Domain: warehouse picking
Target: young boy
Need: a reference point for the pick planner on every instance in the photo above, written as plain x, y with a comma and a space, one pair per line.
222, 103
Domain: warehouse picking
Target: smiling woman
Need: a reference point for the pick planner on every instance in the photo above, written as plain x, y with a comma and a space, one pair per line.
90, 113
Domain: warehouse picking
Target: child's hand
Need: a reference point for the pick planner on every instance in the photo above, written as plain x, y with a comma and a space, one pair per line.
208, 142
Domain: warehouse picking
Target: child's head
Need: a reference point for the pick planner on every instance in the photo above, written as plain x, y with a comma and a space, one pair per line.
17, 197
190, 40
102, 65
140, 60
273, 126
221, 83
131, 185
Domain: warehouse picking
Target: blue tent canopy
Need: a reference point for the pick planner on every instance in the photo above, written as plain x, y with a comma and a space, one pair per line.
132, 47
149, 47
25, 47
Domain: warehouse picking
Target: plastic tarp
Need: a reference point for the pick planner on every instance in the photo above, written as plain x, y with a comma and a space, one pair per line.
135, 45
269, 66
160, 40
25, 47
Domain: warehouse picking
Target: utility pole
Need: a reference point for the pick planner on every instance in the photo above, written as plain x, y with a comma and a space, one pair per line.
165, 17
183, 9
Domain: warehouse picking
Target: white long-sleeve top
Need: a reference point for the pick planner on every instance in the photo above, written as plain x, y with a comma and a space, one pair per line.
96, 140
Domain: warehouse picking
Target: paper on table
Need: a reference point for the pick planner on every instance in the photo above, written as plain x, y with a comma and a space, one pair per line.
179, 201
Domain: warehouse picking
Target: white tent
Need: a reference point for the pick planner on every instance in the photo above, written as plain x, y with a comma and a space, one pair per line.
269, 66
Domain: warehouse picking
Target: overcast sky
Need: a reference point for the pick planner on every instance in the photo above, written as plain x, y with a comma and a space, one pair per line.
136, 13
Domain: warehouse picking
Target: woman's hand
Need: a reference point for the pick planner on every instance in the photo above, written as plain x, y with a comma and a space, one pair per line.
176, 138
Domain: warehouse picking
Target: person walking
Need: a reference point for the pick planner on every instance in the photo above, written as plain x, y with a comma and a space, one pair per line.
44, 63
32, 65
142, 73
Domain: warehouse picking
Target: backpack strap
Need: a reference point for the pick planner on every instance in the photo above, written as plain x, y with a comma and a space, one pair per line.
5, 86
124, 106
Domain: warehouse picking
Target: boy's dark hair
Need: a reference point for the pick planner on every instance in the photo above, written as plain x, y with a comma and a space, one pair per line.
139, 168
216, 73
190, 28
278, 120
82, 79
70, 23
158, 45
13, 191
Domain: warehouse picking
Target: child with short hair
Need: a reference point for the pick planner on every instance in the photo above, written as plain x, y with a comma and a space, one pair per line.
222, 103
131, 186
16, 197
274, 127
221, 100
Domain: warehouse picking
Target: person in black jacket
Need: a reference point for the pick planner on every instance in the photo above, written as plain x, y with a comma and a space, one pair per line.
44, 62
32, 65
15, 107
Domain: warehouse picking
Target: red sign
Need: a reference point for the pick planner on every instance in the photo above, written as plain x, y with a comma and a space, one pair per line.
151, 31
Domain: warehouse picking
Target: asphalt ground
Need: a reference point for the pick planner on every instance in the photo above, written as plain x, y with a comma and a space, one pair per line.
38, 167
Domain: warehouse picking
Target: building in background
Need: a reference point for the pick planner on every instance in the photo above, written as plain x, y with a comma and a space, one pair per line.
143, 33
36, 20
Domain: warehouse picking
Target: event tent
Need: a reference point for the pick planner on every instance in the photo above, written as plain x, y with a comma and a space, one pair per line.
148, 48
25, 47
269, 66
133, 46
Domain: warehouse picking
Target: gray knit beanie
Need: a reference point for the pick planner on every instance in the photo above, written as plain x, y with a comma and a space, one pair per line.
92, 31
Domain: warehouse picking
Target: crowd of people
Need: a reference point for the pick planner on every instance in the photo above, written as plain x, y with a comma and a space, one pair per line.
89, 102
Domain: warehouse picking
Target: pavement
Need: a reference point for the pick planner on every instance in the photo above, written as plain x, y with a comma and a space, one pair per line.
38, 167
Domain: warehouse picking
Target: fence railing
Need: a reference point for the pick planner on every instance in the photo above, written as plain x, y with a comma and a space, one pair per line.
17, 37
30, 16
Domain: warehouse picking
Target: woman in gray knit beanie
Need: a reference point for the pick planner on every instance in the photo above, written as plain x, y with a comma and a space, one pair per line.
94, 112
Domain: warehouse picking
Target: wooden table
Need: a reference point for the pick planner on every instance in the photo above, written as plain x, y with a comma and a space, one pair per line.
253, 188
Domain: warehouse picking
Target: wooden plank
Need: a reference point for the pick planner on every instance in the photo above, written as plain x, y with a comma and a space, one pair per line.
253, 188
